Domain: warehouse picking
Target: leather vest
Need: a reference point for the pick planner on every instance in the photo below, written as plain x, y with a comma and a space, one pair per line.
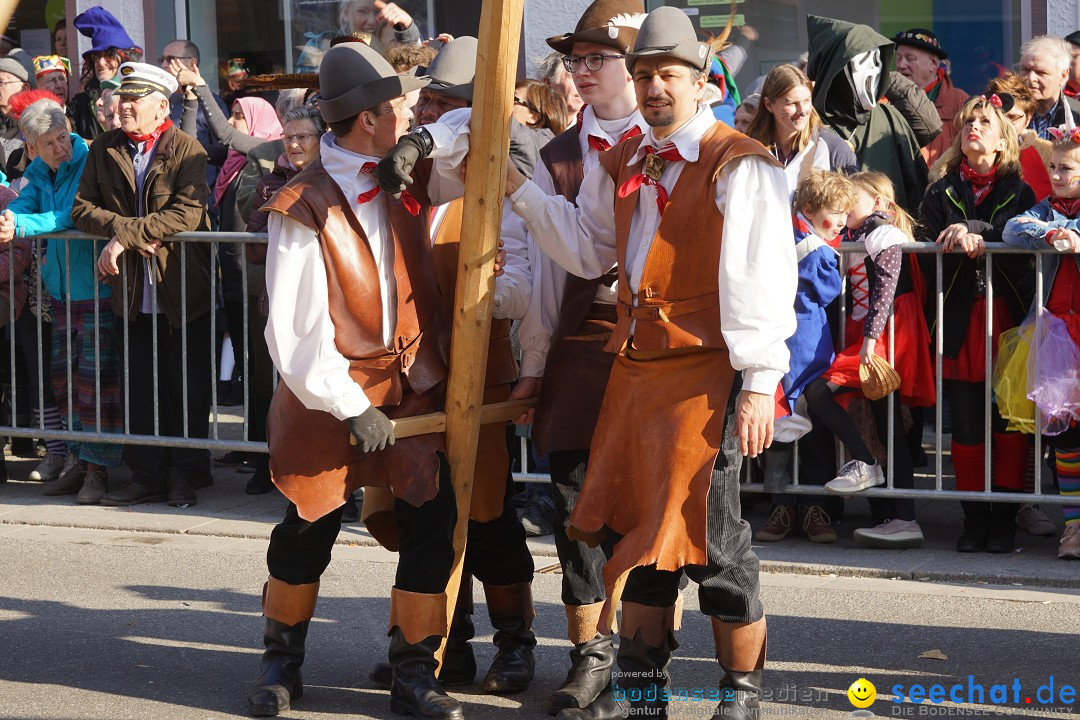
562, 157
418, 348
678, 303
501, 365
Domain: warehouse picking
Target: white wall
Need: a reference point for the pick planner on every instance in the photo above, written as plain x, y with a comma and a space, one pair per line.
543, 19
1062, 16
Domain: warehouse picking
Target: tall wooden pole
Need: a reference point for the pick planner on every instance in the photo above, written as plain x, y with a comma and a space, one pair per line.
496, 65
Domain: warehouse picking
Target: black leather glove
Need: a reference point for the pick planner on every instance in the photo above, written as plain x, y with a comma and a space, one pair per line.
394, 172
373, 430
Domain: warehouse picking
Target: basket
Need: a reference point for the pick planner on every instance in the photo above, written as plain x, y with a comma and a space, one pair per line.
878, 379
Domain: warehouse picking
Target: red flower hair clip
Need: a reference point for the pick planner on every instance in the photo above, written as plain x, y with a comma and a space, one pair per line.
1062, 132
993, 100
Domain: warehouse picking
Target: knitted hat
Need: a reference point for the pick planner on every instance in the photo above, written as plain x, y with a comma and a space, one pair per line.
353, 78
921, 39
139, 80
47, 64
613, 23
13, 67
24, 59
668, 32
104, 31
453, 69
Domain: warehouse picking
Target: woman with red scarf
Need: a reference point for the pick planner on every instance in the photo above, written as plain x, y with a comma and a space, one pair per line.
981, 190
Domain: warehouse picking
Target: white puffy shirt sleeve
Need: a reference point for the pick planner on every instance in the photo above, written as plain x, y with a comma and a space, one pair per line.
513, 288
758, 271
450, 136
579, 238
299, 332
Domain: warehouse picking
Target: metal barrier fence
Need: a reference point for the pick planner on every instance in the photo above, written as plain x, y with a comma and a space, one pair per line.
215, 442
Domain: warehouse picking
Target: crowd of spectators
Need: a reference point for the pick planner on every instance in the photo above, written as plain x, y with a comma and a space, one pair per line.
144, 151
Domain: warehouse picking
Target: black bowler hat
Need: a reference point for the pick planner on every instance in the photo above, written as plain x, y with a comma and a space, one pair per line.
922, 39
1074, 38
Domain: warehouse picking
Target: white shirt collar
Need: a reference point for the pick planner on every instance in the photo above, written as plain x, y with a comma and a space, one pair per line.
687, 139
591, 126
343, 165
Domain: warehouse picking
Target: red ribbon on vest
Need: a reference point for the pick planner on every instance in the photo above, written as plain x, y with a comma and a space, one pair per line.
410, 203
600, 144
668, 152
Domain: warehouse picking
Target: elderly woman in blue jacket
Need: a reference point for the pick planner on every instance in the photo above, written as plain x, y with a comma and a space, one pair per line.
83, 332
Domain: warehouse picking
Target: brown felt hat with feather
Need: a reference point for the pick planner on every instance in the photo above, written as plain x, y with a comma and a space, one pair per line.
606, 22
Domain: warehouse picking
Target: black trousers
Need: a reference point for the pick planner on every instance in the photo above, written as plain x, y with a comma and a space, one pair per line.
496, 553
582, 566
300, 550
728, 585
153, 465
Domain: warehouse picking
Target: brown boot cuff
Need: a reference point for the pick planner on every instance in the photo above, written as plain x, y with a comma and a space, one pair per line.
740, 647
656, 624
511, 600
581, 622
418, 615
289, 604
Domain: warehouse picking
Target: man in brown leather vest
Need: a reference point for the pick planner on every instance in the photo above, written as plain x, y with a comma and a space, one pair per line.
354, 330
694, 213
496, 552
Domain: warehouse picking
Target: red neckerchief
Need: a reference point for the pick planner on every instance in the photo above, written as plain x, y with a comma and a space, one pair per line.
981, 183
151, 138
410, 203
670, 153
598, 143
1069, 207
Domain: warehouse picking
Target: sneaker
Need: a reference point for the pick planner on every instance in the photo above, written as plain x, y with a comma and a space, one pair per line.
1031, 519
855, 476
539, 517
1069, 547
891, 534
779, 524
94, 488
817, 525
49, 468
70, 479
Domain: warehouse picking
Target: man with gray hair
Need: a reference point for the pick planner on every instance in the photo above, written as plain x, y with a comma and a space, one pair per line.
1045, 62
143, 183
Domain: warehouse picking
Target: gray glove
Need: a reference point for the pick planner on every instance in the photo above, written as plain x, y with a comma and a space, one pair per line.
395, 170
372, 429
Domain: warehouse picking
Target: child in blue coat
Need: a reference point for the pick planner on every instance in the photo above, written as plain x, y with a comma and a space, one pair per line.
822, 203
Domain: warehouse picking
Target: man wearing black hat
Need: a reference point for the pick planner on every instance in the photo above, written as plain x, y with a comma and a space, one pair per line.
920, 58
688, 317
496, 553
349, 361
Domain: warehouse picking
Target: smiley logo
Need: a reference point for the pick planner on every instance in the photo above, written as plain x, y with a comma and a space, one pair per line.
862, 693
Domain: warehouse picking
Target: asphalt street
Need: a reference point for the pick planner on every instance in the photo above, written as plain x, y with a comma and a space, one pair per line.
153, 612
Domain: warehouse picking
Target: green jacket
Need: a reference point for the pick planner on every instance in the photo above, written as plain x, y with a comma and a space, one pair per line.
882, 139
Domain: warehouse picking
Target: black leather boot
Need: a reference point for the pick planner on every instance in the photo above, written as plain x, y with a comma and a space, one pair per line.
1001, 537
459, 663
641, 680
511, 610
976, 526
604, 707
414, 690
740, 696
288, 610
589, 675
740, 645
280, 682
